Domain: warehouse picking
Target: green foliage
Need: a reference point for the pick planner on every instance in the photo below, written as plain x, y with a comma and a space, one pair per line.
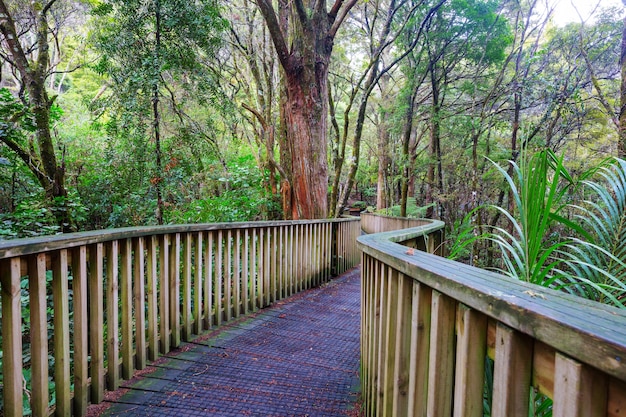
412, 210
529, 249
597, 260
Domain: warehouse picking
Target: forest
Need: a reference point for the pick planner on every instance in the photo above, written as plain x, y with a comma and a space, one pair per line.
122, 113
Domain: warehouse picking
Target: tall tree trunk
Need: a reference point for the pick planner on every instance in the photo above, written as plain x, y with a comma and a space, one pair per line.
42, 163
158, 177
383, 164
311, 31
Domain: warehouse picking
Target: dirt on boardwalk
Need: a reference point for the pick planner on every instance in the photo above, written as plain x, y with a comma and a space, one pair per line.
299, 357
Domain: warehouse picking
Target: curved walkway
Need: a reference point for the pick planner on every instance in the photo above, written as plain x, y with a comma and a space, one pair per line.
299, 357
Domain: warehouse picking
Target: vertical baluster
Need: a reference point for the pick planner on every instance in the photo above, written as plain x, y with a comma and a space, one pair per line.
228, 276
96, 321
365, 323
186, 307
379, 395
81, 330
237, 272
420, 341
389, 350
290, 259
164, 293
208, 281
197, 304
274, 253
38, 334
298, 258
175, 290
113, 359
513, 366
218, 277
441, 358
261, 268
307, 255
282, 263
126, 291
140, 303
267, 267
254, 271
471, 330
246, 273
402, 346
151, 295
60, 295
10, 277
579, 390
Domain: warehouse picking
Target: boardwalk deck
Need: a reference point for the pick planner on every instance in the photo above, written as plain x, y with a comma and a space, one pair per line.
299, 357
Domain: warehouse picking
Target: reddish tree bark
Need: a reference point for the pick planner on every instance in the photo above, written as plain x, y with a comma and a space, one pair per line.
311, 29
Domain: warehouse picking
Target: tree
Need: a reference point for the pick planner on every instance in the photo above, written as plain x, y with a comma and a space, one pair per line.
27, 131
146, 48
303, 33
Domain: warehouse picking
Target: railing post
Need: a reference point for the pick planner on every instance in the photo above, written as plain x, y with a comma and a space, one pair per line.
334, 248
11, 336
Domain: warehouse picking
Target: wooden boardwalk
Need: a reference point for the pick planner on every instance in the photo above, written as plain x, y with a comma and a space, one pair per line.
299, 357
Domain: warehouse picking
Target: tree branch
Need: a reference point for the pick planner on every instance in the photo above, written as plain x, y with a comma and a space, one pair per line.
7, 28
344, 13
267, 10
302, 15
269, 129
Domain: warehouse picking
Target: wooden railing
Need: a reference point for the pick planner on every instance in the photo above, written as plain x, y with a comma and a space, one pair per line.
376, 223
104, 304
433, 328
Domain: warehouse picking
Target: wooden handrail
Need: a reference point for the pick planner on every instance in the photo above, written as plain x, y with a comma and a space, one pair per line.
429, 324
132, 294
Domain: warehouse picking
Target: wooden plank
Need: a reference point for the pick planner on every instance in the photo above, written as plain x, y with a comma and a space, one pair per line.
391, 326
139, 295
272, 265
197, 294
581, 329
113, 353
228, 277
617, 398
543, 368
403, 346
208, 282
375, 359
237, 275
38, 334
420, 343
471, 331
219, 276
281, 263
60, 295
441, 357
245, 290
267, 267
290, 260
307, 256
126, 298
579, 390
186, 307
513, 365
96, 321
164, 296
254, 271
365, 323
151, 295
175, 291
382, 352
10, 277
81, 330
